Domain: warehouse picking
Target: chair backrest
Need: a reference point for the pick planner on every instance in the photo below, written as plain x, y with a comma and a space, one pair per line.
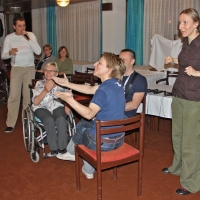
170, 78
116, 126
82, 78
89, 70
171, 74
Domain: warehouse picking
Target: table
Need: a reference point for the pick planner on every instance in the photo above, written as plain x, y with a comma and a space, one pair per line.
158, 105
81, 66
151, 76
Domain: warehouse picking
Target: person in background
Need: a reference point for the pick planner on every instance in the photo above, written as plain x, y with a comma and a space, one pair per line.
20, 46
138, 88
51, 111
65, 64
108, 103
186, 106
48, 57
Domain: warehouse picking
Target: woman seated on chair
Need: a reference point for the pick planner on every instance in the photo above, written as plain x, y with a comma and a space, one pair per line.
65, 64
108, 103
48, 57
49, 109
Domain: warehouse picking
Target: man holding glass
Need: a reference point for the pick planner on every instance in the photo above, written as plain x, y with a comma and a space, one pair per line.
20, 46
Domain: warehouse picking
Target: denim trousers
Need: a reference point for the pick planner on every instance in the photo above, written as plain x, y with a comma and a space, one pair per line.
84, 137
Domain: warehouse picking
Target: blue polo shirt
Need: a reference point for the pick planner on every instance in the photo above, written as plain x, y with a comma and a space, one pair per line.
111, 100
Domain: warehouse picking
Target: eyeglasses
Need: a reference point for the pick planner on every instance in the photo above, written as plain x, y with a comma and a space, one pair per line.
50, 71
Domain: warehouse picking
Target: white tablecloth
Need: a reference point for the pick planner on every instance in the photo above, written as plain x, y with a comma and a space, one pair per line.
158, 104
151, 76
81, 66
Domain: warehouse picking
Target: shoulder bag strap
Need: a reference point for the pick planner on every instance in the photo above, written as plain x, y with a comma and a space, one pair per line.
131, 83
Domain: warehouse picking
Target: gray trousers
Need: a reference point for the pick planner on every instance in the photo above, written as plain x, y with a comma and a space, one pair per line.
186, 143
56, 139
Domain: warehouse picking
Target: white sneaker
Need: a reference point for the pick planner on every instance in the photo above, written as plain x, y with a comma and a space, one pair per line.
88, 176
66, 156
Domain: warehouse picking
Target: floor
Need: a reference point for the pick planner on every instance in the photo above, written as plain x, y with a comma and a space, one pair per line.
51, 178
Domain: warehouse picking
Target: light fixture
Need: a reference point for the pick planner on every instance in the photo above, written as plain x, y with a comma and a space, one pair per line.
63, 3
15, 9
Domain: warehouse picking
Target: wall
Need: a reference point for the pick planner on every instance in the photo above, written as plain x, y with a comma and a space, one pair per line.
114, 26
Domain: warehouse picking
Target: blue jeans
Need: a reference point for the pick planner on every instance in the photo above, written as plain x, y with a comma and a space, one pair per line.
84, 137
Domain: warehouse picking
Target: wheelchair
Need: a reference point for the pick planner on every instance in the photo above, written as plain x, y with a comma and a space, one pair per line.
34, 134
3, 86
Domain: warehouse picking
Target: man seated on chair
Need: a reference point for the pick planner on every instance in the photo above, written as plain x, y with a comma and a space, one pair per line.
108, 103
50, 110
135, 85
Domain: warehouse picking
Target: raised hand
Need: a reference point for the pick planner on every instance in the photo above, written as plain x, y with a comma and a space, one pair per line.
61, 81
65, 96
168, 60
49, 85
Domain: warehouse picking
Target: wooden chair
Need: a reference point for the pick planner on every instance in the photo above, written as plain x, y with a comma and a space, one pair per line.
82, 78
172, 74
96, 79
111, 159
89, 70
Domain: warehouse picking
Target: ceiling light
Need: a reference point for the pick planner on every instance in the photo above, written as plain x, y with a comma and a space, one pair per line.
15, 9
63, 3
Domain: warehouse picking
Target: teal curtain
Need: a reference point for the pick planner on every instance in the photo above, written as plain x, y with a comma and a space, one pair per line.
51, 26
101, 31
134, 28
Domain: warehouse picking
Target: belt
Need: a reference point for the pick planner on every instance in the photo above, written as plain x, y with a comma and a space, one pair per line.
112, 139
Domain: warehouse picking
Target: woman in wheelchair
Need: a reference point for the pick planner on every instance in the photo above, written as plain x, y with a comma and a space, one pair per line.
50, 110
108, 103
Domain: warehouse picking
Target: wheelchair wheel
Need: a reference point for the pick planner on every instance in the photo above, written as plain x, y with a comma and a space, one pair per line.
71, 125
28, 129
34, 156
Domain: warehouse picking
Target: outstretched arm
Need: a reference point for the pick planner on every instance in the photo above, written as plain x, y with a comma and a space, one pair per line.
86, 89
86, 112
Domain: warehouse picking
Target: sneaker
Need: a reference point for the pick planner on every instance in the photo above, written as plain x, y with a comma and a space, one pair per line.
8, 130
66, 156
52, 153
62, 151
88, 176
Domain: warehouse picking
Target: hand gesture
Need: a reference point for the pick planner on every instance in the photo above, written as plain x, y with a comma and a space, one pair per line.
190, 71
168, 60
61, 81
49, 85
65, 96
67, 110
13, 51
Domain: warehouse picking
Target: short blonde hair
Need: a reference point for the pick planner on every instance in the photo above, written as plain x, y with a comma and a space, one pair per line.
52, 64
116, 64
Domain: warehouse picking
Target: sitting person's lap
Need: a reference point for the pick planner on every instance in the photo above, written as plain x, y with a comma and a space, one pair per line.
83, 136
43, 113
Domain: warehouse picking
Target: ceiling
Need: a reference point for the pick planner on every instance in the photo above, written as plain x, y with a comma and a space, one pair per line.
26, 5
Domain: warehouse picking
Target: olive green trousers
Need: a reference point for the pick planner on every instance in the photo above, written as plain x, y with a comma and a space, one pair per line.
186, 143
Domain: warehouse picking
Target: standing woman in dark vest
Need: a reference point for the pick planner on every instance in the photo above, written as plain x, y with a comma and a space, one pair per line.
186, 106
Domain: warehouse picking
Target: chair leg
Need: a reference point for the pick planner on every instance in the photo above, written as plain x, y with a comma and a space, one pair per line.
115, 173
139, 186
99, 184
78, 185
